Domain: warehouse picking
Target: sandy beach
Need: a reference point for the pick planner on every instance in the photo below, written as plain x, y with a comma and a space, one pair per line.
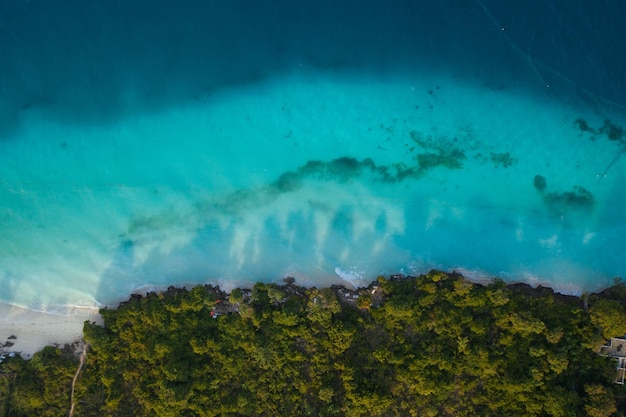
28, 331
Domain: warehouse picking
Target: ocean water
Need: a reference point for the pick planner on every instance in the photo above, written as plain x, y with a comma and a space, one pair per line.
155, 144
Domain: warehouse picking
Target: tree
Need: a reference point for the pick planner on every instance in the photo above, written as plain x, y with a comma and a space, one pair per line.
609, 317
600, 401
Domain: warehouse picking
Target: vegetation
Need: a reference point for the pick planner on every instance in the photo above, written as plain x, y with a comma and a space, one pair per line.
434, 345
37, 387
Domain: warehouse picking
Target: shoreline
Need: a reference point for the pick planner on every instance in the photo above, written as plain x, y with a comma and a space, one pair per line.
26, 331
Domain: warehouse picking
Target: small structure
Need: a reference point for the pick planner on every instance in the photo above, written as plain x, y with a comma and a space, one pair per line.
616, 349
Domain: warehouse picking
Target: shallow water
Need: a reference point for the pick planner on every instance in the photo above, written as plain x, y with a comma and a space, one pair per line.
330, 173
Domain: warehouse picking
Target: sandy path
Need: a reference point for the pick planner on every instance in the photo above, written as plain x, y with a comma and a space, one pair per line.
83, 355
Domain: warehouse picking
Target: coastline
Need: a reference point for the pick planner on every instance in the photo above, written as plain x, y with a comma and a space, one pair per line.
272, 339
26, 331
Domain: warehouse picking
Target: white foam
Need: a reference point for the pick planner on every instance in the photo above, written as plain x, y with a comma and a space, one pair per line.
351, 275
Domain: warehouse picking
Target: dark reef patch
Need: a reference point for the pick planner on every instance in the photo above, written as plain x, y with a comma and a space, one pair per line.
440, 152
504, 159
609, 129
428, 152
540, 183
345, 167
579, 199
612, 131
584, 126
342, 170
451, 152
287, 181
447, 158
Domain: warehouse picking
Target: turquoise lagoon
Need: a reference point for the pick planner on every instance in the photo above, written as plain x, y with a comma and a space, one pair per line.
326, 178
330, 174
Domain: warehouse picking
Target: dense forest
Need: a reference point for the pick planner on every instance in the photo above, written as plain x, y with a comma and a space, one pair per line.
433, 345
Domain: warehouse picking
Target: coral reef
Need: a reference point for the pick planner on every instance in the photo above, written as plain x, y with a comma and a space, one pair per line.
609, 129
540, 183
440, 152
579, 199
504, 160
447, 158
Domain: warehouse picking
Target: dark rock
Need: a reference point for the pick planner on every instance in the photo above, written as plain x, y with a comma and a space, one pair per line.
611, 130
584, 126
540, 183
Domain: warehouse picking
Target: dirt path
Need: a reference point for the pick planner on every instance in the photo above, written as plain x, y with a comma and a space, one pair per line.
83, 355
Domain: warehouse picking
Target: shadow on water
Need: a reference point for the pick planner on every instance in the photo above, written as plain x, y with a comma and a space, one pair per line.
119, 277
10, 287
610, 250
93, 62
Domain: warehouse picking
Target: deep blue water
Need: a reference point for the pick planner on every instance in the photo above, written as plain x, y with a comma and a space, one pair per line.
80, 59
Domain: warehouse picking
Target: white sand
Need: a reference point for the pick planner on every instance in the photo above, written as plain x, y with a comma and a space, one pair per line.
34, 330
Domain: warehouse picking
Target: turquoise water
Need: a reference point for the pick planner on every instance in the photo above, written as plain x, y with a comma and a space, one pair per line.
328, 173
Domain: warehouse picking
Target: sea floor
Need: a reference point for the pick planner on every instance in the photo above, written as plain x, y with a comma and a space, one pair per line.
328, 177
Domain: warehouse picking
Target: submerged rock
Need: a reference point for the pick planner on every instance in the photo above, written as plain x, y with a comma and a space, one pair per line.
540, 183
504, 160
579, 199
